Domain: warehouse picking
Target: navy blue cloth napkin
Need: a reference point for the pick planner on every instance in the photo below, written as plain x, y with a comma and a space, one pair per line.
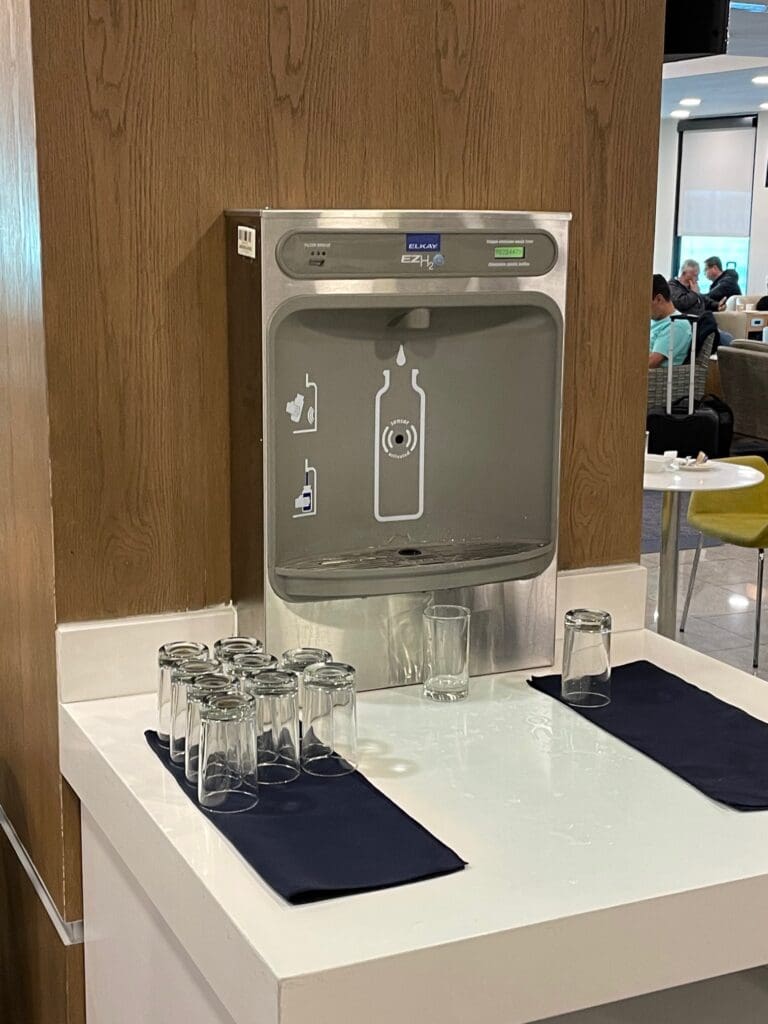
719, 749
314, 839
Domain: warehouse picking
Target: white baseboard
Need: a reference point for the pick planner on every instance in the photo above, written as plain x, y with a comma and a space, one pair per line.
118, 657
618, 589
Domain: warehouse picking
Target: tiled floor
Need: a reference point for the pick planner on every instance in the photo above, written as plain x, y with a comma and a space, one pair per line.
721, 620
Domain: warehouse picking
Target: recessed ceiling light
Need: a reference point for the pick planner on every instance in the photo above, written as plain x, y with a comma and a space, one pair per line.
690, 101
680, 114
760, 80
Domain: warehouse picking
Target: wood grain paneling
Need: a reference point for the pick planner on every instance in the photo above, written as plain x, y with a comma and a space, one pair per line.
153, 117
32, 793
41, 980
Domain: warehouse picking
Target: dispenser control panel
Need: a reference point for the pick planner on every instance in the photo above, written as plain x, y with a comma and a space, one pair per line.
377, 254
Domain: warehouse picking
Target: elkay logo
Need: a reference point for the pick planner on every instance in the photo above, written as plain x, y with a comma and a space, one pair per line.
422, 243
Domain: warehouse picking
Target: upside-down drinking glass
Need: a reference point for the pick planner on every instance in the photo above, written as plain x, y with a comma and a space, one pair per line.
586, 680
329, 740
227, 648
168, 656
244, 664
213, 684
183, 675
276, 693
227, 779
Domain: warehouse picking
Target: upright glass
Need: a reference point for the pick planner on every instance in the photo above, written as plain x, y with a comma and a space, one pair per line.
586, 679
276, 693
214, 684
227, 780
168, 656
183, 675
329, 739
227, 648
446, 652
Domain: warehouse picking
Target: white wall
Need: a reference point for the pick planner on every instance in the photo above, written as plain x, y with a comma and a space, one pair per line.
758, 249
666, 189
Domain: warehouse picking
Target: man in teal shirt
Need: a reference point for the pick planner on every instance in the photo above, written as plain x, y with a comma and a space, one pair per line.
663, 329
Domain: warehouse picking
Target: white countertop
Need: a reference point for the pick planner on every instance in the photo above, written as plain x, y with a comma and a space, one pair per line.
593, 873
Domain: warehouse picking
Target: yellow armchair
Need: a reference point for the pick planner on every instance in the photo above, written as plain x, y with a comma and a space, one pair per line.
737, 517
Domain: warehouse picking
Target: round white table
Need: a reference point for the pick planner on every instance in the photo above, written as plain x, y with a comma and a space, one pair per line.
719, 476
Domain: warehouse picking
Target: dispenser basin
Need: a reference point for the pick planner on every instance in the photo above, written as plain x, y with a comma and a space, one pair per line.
403, 568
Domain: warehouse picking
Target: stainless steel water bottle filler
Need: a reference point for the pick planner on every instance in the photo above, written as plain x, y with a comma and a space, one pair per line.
395, 407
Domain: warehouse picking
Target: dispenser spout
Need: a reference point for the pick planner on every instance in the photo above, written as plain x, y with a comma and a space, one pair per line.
417, 319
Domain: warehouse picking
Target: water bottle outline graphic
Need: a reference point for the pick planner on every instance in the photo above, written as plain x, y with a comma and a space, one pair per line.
398, 439
306, 502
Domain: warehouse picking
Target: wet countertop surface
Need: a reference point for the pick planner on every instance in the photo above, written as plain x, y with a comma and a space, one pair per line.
593, 873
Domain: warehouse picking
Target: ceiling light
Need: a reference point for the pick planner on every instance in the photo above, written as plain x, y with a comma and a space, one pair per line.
764, 106
680, 114
760, 80
690, 101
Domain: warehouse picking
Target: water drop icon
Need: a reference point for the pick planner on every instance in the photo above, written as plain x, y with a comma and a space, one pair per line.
400, 359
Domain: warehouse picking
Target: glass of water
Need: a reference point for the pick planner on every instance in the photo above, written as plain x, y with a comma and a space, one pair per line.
586, 680
446, 652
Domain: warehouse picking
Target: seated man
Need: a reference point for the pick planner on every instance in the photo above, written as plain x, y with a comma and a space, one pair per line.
684, 289
686, 298
722, 283
665, 331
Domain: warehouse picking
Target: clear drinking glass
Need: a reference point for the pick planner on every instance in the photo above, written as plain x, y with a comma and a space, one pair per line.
228, 647
298, 660
244, 664
587, 658
329, 740
168, 656
446, 652
276, 693
213, 684
227, 779
183, 675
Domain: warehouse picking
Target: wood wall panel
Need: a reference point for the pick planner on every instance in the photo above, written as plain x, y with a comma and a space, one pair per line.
32, 793
41, 980
154, 116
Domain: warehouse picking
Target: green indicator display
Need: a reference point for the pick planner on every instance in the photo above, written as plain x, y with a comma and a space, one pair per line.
509, 252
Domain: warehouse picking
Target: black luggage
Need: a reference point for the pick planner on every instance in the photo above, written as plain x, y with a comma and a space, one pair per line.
725, 423
687, 431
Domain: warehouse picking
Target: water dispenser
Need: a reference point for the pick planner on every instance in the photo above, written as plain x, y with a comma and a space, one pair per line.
395, 386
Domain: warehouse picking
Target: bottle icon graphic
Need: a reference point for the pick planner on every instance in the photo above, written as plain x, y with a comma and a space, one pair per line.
306, 502
398, 449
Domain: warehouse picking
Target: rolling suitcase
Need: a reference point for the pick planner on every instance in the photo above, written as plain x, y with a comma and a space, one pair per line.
687, 431
725, 423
